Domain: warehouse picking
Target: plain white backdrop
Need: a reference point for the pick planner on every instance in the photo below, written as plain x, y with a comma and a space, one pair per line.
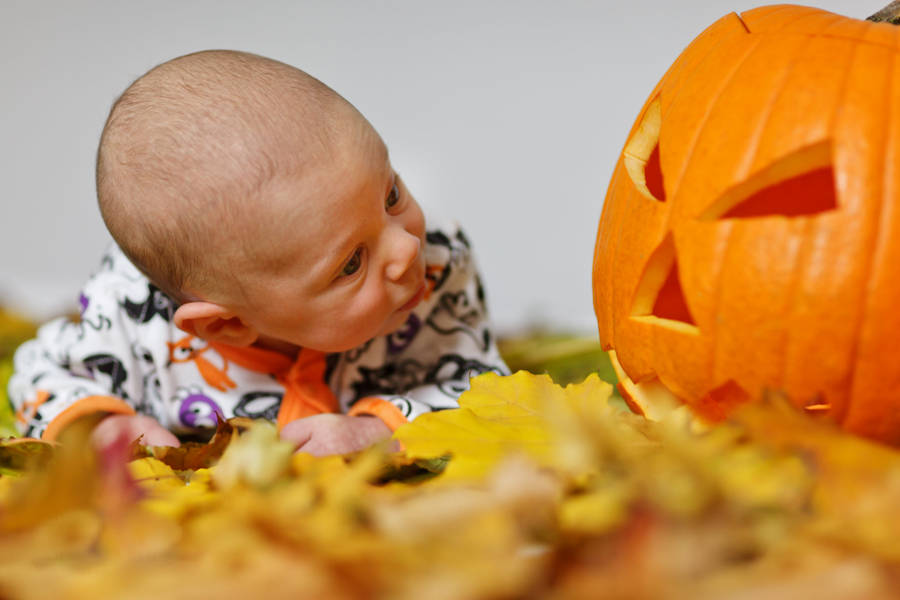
507, 116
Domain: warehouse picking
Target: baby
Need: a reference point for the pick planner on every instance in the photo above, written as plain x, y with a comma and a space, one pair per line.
269, 263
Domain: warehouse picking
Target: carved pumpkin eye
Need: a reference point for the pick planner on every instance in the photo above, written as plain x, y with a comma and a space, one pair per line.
641, 155
800, 184
659, 296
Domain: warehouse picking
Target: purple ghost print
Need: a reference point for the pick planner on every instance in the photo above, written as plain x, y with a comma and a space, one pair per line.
198, 410
403, 337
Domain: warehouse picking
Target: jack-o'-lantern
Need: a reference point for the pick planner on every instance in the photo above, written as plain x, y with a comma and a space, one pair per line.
750, 237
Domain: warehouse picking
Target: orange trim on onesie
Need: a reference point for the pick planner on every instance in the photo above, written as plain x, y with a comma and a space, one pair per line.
305, 390
85, 406
254, 359
381, 408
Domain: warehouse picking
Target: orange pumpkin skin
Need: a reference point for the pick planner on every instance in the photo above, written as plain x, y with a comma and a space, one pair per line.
750, 237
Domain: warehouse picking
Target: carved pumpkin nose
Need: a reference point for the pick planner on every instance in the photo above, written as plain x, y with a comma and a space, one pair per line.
751, 230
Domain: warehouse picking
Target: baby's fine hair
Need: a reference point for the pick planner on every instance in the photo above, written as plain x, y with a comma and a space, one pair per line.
188, 148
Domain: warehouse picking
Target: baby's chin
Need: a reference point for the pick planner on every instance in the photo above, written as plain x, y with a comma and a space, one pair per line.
396, 321
349, 343
393, 323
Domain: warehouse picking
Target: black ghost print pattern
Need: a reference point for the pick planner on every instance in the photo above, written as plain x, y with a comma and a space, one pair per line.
156, 303
455, 313
389, 379
110, 366
450, 374
259, 405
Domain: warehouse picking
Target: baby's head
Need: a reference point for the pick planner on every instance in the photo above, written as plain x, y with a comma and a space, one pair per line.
262, 201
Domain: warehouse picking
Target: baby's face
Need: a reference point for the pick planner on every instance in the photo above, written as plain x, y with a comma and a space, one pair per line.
348, 251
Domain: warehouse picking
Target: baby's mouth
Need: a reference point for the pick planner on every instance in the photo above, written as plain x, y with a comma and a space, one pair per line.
414, 301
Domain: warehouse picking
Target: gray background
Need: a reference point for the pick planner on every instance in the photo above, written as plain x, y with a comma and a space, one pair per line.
506, 116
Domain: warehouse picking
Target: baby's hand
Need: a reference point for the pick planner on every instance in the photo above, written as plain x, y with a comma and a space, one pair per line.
134, 426
321, 435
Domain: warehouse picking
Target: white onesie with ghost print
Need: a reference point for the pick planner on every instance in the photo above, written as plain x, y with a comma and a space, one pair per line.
125, 345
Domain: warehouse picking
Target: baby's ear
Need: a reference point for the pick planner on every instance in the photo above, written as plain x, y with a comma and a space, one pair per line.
213, 323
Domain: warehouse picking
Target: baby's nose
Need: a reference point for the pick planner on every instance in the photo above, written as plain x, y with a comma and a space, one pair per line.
403, 253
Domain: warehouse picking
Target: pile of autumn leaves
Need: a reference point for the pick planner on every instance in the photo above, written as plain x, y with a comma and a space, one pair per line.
529, 490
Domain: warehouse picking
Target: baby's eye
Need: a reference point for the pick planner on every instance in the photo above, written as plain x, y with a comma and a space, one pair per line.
392, 198
353, 264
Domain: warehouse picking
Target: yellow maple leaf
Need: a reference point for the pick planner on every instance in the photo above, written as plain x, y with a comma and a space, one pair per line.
168, 493
499, 416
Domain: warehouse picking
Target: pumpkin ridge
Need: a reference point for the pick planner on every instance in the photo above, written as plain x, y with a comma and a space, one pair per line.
835, 19
839, 105
838, 409
863, 29
717, 321
839, 406
598, 254
677, 79
801, 260
785, 122
765, 113
879, 238
861, 26
812, 13
614, 290
846, 38
691, 147
676, 73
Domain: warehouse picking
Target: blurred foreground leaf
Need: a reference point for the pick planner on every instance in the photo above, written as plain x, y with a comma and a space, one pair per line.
7, 415
14, 329
528, 490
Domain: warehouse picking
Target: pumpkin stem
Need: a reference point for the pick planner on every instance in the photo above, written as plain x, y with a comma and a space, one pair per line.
888, 14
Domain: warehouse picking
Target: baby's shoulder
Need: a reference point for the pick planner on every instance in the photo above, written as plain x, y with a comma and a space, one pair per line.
117, 286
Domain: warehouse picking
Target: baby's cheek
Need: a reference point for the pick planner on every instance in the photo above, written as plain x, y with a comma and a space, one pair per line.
342, 326
373, 305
